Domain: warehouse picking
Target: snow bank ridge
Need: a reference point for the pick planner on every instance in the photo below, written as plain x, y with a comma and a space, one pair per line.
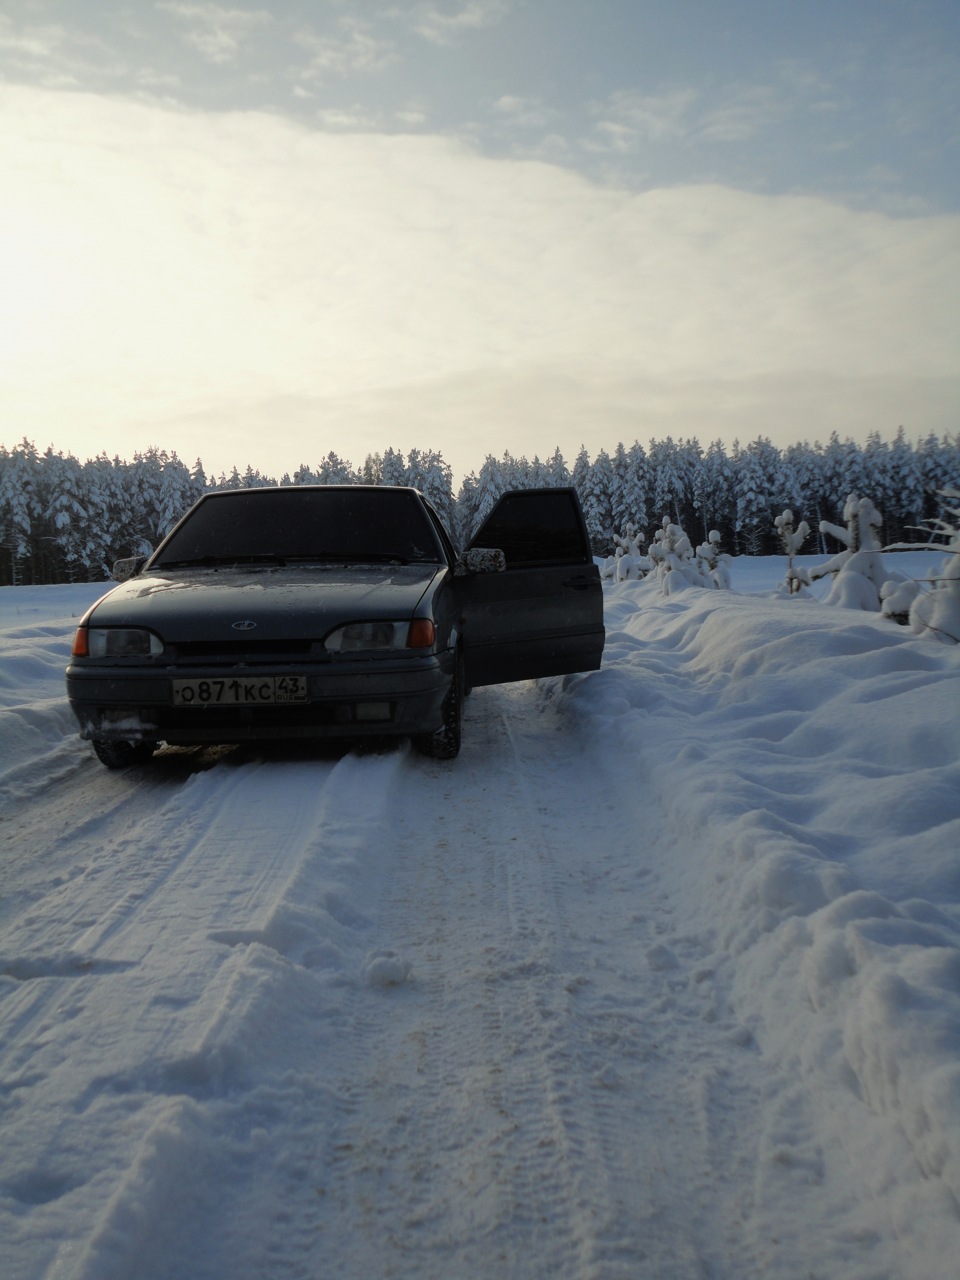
827, 798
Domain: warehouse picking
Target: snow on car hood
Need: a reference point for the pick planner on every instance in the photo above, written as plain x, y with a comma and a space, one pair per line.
293, 602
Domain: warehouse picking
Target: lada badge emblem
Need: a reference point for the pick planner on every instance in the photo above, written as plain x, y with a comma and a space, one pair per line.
245, 625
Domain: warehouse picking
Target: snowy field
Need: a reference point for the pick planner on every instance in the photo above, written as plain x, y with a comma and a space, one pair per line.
660, 980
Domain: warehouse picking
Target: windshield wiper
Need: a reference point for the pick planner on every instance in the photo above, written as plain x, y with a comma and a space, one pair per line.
349, 557
207, 562
312, 557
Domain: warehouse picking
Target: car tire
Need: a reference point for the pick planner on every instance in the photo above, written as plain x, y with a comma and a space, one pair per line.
121, 755
444, 743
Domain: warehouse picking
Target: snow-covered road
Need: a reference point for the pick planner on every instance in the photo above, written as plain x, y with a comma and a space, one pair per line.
616, 994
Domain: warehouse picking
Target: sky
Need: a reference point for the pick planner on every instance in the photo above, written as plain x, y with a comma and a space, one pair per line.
256, 233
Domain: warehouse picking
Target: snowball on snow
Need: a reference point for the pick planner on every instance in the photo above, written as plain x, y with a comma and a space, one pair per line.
385, 968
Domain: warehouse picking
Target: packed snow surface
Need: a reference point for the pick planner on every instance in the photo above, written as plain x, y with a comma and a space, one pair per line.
660, 979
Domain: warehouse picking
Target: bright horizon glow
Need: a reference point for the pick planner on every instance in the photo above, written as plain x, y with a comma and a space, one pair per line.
247, 285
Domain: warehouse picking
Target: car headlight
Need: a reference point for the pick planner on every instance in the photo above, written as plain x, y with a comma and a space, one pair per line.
116, 642
366, 637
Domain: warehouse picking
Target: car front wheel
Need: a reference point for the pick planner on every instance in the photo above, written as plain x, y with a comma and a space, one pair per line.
444, 743
121, 755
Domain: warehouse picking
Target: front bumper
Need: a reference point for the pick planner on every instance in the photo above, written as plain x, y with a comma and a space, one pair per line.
344, 700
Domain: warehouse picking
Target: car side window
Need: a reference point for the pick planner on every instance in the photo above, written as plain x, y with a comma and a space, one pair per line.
541, 527
439, 529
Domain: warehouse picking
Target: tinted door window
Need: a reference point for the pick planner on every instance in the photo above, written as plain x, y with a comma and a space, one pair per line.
536, 528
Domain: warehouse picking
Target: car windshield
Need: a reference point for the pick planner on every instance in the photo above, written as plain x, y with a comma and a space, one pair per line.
279, 526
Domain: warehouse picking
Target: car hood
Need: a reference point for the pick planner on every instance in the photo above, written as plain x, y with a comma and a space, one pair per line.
295, 603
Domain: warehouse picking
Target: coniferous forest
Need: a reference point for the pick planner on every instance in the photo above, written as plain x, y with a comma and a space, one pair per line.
62, 520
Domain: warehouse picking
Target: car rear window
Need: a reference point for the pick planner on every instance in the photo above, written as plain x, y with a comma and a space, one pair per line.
304, 523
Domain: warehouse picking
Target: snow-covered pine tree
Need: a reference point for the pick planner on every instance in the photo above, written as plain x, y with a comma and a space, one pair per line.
538, 477
596, 502
619, 483
19, 478
939, 462
335, 470
903, 498
841, 473
753, 467
110, 516
435, 481
689, 458
714, 491
806, 465
486, 492
557, 469
637, 483
252, 479
67, 513
667, 474
372, 470
464, 509
515, 471
700, 483
394, 470
580, 472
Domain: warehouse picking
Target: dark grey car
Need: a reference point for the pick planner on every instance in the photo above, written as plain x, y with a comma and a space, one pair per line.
332, 612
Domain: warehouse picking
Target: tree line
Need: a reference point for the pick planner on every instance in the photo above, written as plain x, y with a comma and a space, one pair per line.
62, 520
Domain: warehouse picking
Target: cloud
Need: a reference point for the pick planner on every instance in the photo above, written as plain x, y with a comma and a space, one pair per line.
213, 283
53, 54
628, 118
528, 113
217, 33
355, 49
725, 113
411, 116
347, 118
440, 27
741, 113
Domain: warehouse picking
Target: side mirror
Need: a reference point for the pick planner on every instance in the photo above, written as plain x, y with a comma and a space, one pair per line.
481, 560
128, 568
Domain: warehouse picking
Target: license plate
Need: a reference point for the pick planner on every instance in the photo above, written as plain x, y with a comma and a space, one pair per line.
232, 691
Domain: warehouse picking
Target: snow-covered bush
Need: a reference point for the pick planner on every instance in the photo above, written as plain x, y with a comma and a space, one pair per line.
673, 559
628, 562
938, 610
859, 573
896, 599
713, 563
792, 539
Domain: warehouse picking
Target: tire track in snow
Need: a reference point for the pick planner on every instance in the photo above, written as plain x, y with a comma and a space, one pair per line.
497, 1116
663, 1068
561, 1090
461, 1091
182, 948
612, 1152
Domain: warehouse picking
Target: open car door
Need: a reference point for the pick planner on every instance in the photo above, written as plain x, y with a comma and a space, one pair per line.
543, 615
